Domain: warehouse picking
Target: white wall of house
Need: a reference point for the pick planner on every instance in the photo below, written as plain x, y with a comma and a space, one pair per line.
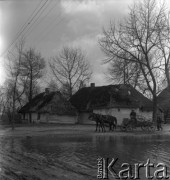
25, 118
46, 117
33, 115
66, 119
122, 113
54, 118
146, 114
83, 118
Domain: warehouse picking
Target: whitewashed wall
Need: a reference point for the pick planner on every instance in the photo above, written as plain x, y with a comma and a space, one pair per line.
33, 115
62, 119
146, 114
26, 119
83, 118
46, 117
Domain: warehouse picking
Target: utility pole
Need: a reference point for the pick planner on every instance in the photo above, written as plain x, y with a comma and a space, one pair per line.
30, 83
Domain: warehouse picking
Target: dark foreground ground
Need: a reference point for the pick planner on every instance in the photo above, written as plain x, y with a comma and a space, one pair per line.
18, 164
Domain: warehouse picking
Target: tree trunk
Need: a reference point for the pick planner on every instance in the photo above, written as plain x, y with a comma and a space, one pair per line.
13, 105
167, 77
124, 74
154, 108
13, 112
30, 95
13, 118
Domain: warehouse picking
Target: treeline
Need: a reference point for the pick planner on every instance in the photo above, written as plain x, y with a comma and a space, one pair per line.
26, 71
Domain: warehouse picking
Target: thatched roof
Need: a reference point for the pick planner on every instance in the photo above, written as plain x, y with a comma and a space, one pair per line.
164, 99
111, 96
52, 102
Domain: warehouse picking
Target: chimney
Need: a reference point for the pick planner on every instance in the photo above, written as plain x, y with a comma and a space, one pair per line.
47, 90
92, 85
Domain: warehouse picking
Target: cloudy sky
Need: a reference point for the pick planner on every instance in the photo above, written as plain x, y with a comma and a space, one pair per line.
60, 22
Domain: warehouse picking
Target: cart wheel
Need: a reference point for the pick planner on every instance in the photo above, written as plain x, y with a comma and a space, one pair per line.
129, 128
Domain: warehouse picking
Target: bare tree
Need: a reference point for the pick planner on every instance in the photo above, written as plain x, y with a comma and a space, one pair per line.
122, 71
2, 100
13, 89
164, 47
70, 69
32, 66
138, 37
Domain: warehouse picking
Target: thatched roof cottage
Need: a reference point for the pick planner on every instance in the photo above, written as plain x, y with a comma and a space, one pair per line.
116, 100
49, 107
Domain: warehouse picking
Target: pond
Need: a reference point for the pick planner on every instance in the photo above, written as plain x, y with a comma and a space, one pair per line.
83, 151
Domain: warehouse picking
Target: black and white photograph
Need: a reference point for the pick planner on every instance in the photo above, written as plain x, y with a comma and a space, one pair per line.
84, 89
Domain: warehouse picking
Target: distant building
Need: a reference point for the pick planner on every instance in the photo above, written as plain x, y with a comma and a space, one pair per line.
49, 107
116, 100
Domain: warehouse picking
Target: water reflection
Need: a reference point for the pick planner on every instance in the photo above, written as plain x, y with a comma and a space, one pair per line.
84, 150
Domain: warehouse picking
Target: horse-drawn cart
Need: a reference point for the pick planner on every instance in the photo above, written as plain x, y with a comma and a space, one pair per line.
141, 122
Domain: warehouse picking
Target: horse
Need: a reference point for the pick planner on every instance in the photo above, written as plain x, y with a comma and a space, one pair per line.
111, 120
99, 121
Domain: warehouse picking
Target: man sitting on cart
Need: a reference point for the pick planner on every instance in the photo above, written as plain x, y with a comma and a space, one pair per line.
133, 117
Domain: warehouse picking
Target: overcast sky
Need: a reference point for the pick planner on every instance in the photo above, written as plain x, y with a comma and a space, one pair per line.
60, 23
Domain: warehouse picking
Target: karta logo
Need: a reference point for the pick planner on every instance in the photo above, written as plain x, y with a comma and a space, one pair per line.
106, 166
